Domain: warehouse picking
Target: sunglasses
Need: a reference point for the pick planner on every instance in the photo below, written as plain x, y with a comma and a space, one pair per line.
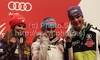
49, 29
73, 18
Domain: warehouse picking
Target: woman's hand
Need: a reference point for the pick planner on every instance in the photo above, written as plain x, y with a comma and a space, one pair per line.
13, 40
68, 36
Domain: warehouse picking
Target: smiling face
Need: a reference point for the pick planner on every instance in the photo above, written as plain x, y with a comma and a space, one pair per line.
77, 22
19, 29
51, 32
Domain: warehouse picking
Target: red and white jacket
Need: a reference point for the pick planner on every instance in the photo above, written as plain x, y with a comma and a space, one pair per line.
44, 49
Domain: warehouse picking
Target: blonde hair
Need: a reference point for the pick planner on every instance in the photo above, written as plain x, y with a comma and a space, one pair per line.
35, 38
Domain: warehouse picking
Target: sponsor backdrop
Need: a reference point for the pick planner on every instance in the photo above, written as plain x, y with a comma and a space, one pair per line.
36, 10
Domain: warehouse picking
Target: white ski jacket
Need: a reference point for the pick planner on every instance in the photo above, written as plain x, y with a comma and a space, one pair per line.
44, 49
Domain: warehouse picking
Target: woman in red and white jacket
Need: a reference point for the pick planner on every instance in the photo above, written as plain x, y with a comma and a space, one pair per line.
46, 45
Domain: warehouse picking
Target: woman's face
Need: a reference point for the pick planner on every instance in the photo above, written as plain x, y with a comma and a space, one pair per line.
51, 32
77, 21
19, 29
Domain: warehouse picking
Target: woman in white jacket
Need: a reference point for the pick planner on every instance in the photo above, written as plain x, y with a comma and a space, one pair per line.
46, 45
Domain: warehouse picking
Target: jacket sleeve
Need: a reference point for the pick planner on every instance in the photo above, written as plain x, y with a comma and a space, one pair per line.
99, 41
99, 38
39, 48
67, 44
68, 51
6, 51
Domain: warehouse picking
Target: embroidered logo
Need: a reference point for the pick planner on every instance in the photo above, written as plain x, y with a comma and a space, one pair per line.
50, 22
72, 11
89, 36
76, 42
1, 44
89, 43
27, 52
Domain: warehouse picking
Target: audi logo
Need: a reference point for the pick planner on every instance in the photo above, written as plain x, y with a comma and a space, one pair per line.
19, 6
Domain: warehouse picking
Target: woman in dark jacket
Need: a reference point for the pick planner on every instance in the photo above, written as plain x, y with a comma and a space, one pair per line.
13, 45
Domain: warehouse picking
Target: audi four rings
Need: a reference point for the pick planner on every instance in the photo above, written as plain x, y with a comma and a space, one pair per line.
19, 6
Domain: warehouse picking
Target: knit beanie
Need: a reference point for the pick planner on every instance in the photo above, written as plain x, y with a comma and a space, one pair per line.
16, 19
74, 10
48, 22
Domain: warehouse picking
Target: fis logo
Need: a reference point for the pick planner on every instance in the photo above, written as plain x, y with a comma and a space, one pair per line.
1, 30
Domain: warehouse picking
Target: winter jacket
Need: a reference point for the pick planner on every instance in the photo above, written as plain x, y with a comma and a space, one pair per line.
14, 51
85, 44
44, 49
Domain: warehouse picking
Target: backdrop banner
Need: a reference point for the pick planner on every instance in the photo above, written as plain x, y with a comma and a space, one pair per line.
35, 11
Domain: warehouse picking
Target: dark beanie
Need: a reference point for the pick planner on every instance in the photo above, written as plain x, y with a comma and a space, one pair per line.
74, 10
